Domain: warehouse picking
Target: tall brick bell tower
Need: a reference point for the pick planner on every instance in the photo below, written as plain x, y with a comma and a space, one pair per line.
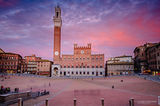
57, 35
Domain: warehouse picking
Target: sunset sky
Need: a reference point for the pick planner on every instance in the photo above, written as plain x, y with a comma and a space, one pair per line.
114, 27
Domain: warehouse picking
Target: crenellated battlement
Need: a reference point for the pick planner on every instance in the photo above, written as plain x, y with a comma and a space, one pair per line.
82, 47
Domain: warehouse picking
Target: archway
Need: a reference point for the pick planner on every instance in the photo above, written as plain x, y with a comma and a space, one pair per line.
55, 71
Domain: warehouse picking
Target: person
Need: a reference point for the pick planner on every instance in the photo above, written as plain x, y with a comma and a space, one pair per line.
38, 92
2, 87
9, 90
112, 86
49, 84
45, 91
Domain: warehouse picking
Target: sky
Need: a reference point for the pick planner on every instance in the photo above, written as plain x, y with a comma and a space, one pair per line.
113, 27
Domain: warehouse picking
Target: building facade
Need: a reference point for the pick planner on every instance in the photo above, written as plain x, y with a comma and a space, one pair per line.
121, 65
153, 58
44, 67
23, 66
81, 63
32, 67
140, 57
31, 63
38, 66
1, 51
10, 63
31, 58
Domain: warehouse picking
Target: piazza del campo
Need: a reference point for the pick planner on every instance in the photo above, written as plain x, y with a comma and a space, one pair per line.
88, 76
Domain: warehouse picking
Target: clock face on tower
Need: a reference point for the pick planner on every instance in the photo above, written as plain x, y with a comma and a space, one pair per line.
56, 53
82, 52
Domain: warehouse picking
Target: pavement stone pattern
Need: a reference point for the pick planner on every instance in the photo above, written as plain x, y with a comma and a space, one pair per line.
88, 92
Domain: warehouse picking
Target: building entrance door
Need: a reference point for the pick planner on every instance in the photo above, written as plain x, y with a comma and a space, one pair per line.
64, 73
55, 71
96, 73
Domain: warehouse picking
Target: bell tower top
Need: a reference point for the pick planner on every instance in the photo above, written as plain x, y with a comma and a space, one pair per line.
57, 18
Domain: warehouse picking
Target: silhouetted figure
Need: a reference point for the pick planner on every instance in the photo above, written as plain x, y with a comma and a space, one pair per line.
112, 86
16, 90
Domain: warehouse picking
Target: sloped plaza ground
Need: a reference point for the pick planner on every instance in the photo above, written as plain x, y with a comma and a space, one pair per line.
88, 92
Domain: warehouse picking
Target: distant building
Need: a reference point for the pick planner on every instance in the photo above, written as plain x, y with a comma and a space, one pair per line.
1, 51
153, 58
14, 63
123, 58
32, 67
81, 63
120, 65
31, 58
37, 65
23, 66
10, 63
31, 63
140, 58
44, 67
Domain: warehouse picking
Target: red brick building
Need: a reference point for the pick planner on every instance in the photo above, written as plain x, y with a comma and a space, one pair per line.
81, 63
153, 58
31, 58
23, 66
10, 63
37, 65
140, 59
31, 62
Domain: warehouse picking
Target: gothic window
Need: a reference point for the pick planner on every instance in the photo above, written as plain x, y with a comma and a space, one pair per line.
92, 73
100, 73
57, 14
